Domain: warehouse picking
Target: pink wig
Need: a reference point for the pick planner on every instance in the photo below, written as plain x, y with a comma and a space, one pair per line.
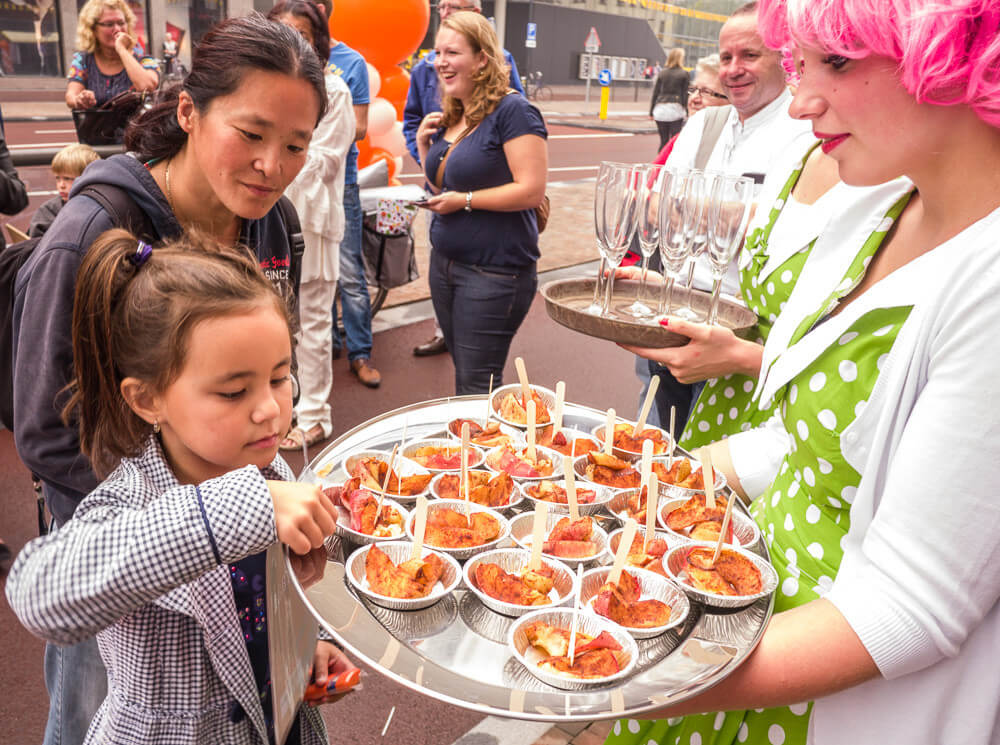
948, 50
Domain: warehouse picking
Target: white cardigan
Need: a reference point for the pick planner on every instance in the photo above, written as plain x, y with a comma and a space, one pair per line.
920, 576
318, 190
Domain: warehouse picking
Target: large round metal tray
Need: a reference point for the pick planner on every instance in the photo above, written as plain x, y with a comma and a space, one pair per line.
456, 651
566, 301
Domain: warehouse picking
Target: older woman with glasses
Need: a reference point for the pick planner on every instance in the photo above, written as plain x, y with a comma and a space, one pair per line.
706, 90
109, 60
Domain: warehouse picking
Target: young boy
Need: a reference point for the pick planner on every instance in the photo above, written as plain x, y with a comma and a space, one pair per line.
67, 166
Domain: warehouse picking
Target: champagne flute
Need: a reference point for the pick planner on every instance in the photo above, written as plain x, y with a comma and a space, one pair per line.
600, 189
727, 222
647, 231
681, 203
696, 230
621, 201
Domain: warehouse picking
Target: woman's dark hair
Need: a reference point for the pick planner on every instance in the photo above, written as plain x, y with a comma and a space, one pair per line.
135, 321
220, 61
311, 13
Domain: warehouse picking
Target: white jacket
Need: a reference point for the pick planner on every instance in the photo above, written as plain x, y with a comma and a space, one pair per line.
920, 576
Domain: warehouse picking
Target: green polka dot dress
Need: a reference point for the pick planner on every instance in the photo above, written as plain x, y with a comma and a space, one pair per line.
725, 405
805, 513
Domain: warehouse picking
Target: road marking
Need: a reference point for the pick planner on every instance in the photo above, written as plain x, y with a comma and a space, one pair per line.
42, 193
581, 137
41, 144
55, 131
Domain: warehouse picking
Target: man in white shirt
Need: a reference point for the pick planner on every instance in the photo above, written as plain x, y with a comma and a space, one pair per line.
744, 138
757, 126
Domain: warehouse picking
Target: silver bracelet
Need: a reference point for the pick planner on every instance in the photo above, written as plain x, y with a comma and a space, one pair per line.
468, 201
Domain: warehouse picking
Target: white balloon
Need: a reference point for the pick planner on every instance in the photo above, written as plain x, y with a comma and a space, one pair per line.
392, 141
381, 115
374, 81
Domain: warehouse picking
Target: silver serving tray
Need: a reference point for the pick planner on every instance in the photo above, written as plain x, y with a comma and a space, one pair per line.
457, 651
566, 301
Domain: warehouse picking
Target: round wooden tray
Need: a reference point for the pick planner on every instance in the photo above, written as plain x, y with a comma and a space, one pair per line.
566, 300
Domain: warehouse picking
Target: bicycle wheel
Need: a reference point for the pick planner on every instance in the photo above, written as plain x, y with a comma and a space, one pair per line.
543, 93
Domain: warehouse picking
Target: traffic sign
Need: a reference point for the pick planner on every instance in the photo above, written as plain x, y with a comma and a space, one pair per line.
604, 77
530, 39
593, 42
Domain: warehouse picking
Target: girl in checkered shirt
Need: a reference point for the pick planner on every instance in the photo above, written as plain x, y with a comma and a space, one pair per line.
182, 392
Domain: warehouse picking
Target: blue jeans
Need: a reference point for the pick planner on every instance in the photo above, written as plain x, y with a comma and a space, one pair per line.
480, 310
355, 305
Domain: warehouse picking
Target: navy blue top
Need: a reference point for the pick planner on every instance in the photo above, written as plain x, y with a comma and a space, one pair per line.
484, 237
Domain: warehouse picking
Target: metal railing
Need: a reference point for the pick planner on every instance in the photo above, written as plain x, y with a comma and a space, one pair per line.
42, 156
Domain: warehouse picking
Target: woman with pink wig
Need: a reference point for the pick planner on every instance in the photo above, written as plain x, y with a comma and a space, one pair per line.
883, 368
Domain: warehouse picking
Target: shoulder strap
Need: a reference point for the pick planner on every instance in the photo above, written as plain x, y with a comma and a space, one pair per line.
715, 120
439, 175
125, 213
296, 241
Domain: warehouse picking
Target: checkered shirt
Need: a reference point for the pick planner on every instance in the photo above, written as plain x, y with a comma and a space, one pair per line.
143, 564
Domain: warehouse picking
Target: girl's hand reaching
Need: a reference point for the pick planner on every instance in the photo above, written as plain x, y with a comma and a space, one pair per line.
303, 515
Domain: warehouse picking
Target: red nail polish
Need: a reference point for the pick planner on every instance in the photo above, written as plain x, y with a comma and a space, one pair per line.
664, 321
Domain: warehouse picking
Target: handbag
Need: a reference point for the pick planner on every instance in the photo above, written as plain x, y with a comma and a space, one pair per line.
390, 260
105, 125
541, 211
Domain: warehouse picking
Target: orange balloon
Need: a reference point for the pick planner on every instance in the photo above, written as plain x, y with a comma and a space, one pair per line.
364, 152
387, 41
390, 161
395, 86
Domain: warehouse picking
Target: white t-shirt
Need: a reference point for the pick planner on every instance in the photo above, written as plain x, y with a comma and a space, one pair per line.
750, 147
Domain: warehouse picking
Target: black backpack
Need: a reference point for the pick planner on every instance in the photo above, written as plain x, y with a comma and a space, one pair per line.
124, 213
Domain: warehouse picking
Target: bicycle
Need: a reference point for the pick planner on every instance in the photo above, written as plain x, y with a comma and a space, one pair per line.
535, 88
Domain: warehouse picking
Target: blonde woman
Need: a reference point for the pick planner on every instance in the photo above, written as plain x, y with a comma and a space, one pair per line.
670, 97
488, 143
108, 60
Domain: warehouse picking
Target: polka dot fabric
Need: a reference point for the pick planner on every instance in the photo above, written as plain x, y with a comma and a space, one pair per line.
725, 405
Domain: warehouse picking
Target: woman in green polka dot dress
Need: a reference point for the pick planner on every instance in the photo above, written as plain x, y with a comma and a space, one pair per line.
882, 368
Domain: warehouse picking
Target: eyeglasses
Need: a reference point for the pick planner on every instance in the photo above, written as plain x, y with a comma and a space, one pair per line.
450, 7
692, 90
112, 24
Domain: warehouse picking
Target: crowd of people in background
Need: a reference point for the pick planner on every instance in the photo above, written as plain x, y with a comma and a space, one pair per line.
153, 359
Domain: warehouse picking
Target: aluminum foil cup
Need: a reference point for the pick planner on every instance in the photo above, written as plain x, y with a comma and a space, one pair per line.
515, 434
589, 624
629, 455
678, 492
343, 527
615, 536
550, 455
400, 551
520, 531
402, 467
514, 560
745, 530
459, 506
580, 468
476, 454
572, 435
652, 586
513, 499
590, 508
548, 398
674, 562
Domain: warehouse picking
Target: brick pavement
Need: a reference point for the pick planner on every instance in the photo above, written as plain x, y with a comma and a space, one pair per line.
576, 733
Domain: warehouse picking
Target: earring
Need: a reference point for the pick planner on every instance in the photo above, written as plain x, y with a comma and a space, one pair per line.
156, 426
